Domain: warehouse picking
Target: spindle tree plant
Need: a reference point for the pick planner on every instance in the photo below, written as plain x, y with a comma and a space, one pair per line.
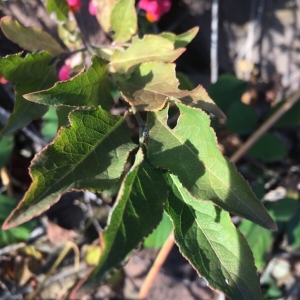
175, 166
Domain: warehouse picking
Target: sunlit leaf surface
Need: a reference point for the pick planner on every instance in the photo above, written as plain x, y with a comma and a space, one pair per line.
153, 83
183, 39
190, 151
89, 155
29, 38
90, 88
123, 20
58, 8
210, 242
149, 48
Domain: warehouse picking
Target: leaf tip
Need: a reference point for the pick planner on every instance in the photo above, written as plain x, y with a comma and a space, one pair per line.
4, 226
222, 115
27, 96
195, 30
5, 19
34, 97
7, 223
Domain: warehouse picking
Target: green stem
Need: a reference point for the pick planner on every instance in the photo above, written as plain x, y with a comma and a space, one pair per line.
143, 135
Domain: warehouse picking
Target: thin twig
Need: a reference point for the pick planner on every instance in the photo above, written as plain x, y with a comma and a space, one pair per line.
141, 124
159, 261
12, 247
69, 245
265, 126
138, 117
67, 272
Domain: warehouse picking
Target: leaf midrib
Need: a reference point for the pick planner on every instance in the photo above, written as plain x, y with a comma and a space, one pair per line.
123, 28
216, 253
206, 168
120, 221
149, 58
80, 161
202, 230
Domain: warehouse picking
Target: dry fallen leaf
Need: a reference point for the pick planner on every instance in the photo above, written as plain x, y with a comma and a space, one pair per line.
57, 234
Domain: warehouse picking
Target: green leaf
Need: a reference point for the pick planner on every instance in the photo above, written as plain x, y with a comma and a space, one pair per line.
290, 117
39, 74
293, 231
63, 115
259, 240
15, 235
158, 237
105, 8
184, 81
29, 38
149, 48
88, 155
19, 69
207, 238
190, 151
6, 146
153, 83
282, 210
58, 8
123, 20
181, 40
242, 118
90, 88
69, 34
104, 53
227, 90
137, 211
269, 148
49, 129
271, 290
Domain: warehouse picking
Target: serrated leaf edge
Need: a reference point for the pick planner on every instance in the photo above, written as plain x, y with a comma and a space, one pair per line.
7, 225
273, 225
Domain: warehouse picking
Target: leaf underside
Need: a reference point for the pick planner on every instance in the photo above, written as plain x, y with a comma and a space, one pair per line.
29, 38
137, 211
153, 83
190, 151
149, 48
181, 40
88, 155
211, 243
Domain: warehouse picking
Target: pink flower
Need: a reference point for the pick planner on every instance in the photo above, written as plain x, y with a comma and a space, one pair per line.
74, 5
155, 8
92, 8
64, 73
